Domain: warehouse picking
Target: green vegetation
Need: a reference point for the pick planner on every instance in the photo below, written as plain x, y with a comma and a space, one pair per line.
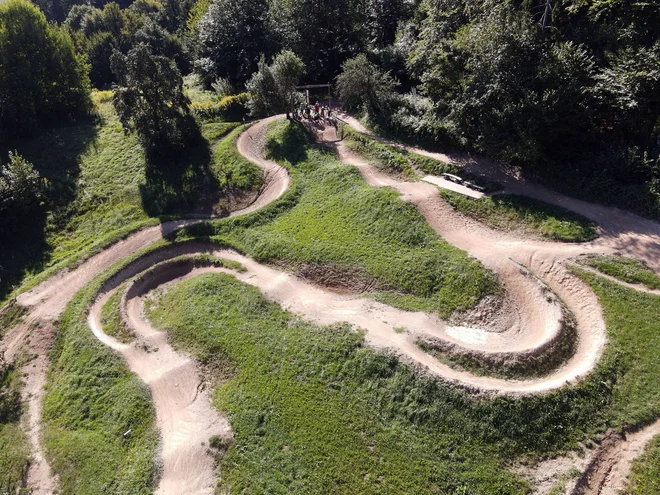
300, 407
14, 448
97, 192
92, 399
386, 157
111, 320
272, 88
512, 212
559, 488
305, 401
151, 102
9, 317
645, 473
42, 78
626, 269
309, 400
233, 170
332, 217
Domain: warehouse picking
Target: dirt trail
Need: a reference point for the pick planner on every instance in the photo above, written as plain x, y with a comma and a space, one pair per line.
185, 417
48, 299
607, 473
531, 319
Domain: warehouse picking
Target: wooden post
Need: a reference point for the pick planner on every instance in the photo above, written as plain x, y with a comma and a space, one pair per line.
329, 100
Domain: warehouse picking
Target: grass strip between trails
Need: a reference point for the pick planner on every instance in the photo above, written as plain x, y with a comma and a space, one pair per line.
625, 269
645, 472
92, 399
513, 212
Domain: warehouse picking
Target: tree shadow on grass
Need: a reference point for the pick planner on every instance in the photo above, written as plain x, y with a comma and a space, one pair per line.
176, 182
55, 154
290, 145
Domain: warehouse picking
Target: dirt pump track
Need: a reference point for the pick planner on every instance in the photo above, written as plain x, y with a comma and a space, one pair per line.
531, 319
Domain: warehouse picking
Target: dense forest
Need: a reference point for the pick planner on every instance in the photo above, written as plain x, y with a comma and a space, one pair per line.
567, 89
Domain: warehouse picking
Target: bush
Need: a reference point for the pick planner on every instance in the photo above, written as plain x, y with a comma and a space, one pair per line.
20, 189
229, 108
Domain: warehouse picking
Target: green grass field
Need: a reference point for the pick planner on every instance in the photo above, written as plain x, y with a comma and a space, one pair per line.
626, 269
14, 448
305, 401
512, 212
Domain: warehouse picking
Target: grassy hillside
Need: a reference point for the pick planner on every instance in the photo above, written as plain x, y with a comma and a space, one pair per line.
513, 212
306, 401
335, 227
100, 188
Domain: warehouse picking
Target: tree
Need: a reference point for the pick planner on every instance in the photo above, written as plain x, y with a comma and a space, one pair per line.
151, 101
232, 35
20, 190
273, 88
362, 86
323, 34
42, 78
384, 17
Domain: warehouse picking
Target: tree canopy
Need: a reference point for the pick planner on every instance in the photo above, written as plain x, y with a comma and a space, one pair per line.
151, 101
42, 78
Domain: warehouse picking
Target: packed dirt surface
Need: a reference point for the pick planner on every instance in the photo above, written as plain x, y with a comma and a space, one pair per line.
530, 319
185, 417
608, 471
47, 301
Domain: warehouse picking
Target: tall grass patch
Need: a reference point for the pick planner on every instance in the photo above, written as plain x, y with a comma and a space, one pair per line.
520, 213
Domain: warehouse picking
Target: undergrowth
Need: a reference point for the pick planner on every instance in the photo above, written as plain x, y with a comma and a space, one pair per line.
513, 212
626, 269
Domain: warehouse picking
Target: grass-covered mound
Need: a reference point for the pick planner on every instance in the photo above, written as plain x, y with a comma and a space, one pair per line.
305, 402
513, 212
333, 220
625, 269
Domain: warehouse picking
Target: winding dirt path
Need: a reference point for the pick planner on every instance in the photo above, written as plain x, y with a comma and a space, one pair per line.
47, 301
530, 320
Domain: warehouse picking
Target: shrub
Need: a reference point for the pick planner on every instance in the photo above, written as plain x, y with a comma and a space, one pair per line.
230, 108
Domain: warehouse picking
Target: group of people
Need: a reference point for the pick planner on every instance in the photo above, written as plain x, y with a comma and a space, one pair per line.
315, 112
